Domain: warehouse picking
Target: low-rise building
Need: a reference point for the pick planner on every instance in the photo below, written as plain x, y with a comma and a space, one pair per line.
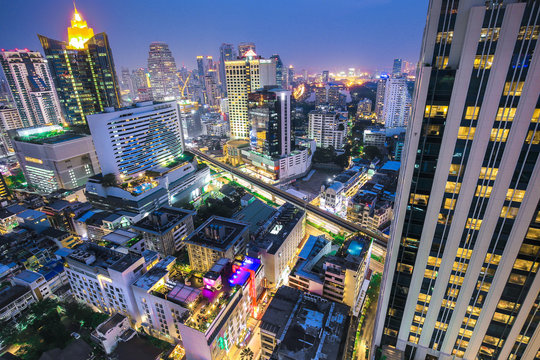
298, 325
113, 330
278, 244
216, 238
336, 193
8, 221
164, 230
34, 281
343, 277
14, 300
124, 240
375, 137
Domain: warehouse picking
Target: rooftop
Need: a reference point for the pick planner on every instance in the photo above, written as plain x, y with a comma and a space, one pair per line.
110, 323
11, 293
99, 256
120, 236
41, 135
162, 220
286, 218
28, 276
218, 233
255, 214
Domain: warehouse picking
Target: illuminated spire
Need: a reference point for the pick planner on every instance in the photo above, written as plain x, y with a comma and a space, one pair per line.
79, 32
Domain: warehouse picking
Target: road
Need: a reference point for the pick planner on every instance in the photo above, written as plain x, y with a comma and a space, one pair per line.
342, 223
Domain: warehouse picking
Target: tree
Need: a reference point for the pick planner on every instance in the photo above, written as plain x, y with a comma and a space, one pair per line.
247, 354
371, 152
109, 180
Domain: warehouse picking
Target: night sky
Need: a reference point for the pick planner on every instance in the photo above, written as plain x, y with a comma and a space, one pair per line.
310, 34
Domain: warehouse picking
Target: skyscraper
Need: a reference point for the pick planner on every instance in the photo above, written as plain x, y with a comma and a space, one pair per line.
290, 76
270, 117
31, 86
244, 47
460, 278
162, 69
279, 70
140, 83
226, 53
243, 77
397, 67
127, 83
325, 76
379, 100
83, 71
397, 102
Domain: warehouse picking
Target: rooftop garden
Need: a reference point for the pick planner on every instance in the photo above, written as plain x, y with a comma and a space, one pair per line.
185, 157
137, 185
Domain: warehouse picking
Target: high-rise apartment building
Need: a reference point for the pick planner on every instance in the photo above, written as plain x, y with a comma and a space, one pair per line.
9, 120
460, 278
32, 87
328, 128
162, 69
397, 103
244, 76
397, 67
270, 118
379, 99
226, 53
83, 71
53, 158
135, 139
140, 82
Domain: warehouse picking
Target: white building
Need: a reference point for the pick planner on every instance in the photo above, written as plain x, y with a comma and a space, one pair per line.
111, 331
375, 137
244, 76
461, 274
162, 70
32, 87
334, 196
53, 158
397, 103
132, 140
13, 301
328, 128
379, 100
9, 120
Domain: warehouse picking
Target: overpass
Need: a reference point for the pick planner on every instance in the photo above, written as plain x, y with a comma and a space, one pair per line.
348, 226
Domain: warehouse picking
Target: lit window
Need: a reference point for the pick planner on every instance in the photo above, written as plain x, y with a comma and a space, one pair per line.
452, 187
436, 110
466, 133
513, 88
424, 298
473, 224
509, 212
506, 114
529, 249
515, 195
454, 279
491, 340
450, 203
533, 234
465, 332
452, 293
489, 34
470, 322
503, 318
419, 319
473, 310
471, 113
488, 173
408, 269
418, 199
413, 339
528, 32
536, 116
463, 253
507, 305
483, 191
533, 137
445, 36
525, 265
460, 266
483, 61
434, 261
430, 274
517, 279
456, 169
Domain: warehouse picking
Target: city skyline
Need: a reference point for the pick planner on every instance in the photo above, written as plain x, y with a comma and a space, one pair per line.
304, 46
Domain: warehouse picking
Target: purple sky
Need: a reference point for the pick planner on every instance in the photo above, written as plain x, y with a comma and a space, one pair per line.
310, 34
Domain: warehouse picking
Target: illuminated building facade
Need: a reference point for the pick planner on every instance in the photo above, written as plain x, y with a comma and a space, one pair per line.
279, 70
397, 67
328, 128
83, 71
461, 275
9, 120
244, 76
5, 194
32, 87
397, 103
162, 70
379, 99
141, 85
270, 118
190, 118
134, 139
53, 158
244, 47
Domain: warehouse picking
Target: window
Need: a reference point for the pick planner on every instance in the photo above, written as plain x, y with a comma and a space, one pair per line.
445, 36
517, 279
430, 274
513, 88
462, 253
449, 203
441, 326
434, 261
458, 280
473, 310
491, 340
536, 116
452, 187
503, 318
483, 61
465, 333
509, 212
533, 137
470, 322
471, 113
456, 170
436, 110
529, 250
483, 191
473, 224
533, 234
419, 199
460, 266
466, 133
506, 114
489, 34
488, 173
424, 298
441, 62
515, 195
507, 305
408, 269
528, 32
525, 265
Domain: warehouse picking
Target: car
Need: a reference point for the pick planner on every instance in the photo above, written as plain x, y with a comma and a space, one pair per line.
76, 335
